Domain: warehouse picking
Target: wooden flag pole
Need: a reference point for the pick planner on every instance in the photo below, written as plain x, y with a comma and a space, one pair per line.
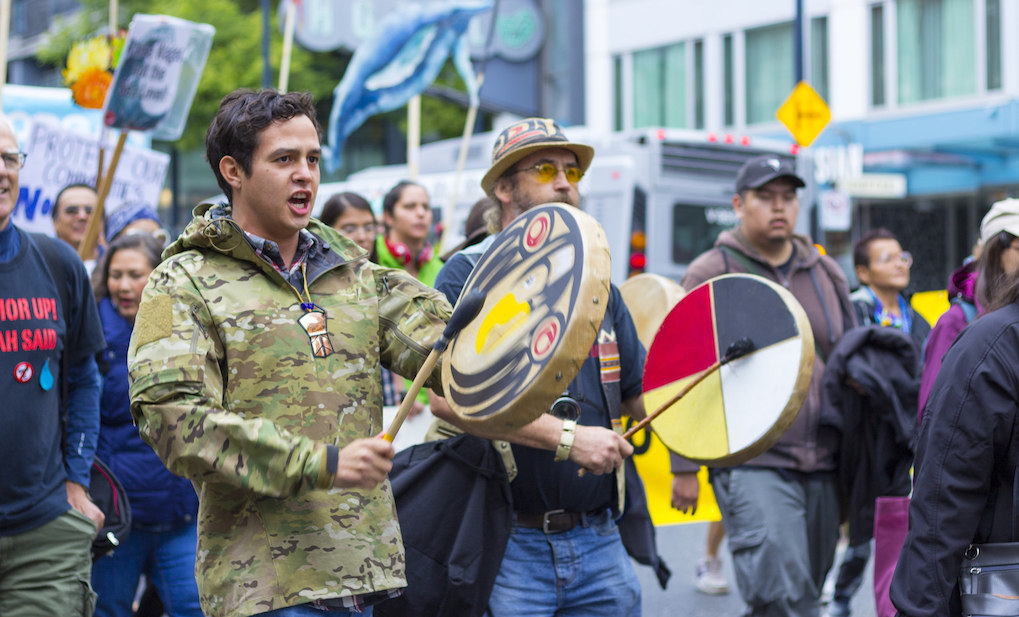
113, 18
102, 158
461, 161
88, 243
5, 28
288, 43
413, 136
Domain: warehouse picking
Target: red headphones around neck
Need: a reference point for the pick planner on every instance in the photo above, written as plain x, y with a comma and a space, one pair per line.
401, 252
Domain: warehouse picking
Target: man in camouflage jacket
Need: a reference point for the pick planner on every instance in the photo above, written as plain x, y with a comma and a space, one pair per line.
255, 367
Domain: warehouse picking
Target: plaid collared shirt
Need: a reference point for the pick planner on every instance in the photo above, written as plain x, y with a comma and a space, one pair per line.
269, 251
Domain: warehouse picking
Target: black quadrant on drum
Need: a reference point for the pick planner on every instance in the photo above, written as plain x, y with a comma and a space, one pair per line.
742, 306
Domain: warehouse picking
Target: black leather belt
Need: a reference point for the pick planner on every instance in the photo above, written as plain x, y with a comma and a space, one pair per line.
553, 521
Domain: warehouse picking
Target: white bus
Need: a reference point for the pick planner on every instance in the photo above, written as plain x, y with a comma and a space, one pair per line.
662, 195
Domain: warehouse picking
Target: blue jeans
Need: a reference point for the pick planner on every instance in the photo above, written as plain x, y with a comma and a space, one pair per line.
584, 572
306, 610
166, 558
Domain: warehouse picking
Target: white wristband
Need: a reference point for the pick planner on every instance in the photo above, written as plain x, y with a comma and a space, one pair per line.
562, 451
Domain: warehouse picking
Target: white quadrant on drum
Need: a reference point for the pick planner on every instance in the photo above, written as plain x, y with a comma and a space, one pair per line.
751, 408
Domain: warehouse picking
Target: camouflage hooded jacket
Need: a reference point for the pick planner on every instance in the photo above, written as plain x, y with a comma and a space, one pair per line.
236, 390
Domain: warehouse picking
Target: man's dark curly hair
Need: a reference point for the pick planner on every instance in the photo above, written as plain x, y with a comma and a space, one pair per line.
242, 116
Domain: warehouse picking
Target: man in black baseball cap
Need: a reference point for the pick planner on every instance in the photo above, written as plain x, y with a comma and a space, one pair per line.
761, 170
780, 508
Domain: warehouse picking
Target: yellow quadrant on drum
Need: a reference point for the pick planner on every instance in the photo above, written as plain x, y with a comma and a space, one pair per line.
507, 316
780, 362
695, 426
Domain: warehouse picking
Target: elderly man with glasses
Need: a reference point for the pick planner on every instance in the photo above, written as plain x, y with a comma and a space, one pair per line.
49, 335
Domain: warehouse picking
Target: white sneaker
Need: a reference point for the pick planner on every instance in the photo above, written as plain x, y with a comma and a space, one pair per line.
709, 577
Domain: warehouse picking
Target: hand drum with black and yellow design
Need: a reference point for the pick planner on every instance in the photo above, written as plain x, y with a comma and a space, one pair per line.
546, 280
742, 407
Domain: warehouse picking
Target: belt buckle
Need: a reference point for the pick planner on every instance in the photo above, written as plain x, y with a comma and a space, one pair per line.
545, 516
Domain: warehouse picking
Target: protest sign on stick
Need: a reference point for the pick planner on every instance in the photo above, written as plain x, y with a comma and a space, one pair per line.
152, 89
60, 155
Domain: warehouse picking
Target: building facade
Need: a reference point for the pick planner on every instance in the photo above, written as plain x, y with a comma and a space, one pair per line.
923, 95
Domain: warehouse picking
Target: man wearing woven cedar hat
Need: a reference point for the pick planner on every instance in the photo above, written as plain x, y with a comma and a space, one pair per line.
565, 552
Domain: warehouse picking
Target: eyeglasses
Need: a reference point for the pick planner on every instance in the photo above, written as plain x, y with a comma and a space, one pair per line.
547, 172
13, 160
905, 257
76, 210
368, 229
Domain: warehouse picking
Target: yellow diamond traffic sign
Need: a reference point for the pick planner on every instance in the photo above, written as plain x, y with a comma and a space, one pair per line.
804, 113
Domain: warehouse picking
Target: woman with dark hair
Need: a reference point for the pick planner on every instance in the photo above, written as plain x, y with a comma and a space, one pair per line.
407, 213
351, 215
164, 507
968, 447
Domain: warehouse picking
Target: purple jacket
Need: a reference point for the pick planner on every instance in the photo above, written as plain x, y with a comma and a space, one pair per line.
961, 284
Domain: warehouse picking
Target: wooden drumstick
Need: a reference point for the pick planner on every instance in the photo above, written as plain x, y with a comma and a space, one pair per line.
739, 348
465, 312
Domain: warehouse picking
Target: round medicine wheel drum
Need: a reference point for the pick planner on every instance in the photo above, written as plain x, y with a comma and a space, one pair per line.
546, 279
743, 407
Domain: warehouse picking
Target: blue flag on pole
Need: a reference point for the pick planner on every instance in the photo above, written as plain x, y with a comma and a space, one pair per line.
399, 61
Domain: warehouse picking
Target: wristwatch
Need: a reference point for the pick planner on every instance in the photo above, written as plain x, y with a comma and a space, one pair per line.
562, 451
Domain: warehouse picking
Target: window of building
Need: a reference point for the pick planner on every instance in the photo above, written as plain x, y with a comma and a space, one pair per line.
19, 18
819, 56
877, 55
617, 92
729, 79
769, 70
992, 22
935, 49
698, 84
659, 87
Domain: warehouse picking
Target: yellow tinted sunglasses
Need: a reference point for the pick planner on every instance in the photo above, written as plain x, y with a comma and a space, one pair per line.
547, 172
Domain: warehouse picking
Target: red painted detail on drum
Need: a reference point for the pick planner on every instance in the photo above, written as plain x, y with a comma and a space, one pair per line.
537, 231
23, 372
685, 343
545, 338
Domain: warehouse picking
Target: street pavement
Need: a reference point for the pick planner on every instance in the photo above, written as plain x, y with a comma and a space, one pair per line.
680, 546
